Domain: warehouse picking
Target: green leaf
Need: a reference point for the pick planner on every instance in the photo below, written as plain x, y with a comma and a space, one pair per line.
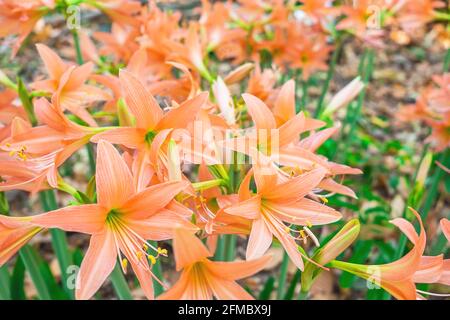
18, 281
5, 293
267, 289
32, 266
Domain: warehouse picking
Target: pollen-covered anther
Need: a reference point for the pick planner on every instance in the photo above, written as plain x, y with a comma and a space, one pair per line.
124, 264
151, 259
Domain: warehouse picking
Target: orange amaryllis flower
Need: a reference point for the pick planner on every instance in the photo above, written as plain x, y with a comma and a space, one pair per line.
120, 42
277, 203
33, 155
9, 111
153, 126
203, 279
67, 84
414, 14
397, 277
20, 17
120, 223
14, 233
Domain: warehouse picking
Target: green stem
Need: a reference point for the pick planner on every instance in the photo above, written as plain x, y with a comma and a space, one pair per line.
76, 42
302, 295
32, 266
230, 245
220, 250
5, 293
120, 284
283, 276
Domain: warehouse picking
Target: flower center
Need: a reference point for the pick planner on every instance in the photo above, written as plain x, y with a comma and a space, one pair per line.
133, 246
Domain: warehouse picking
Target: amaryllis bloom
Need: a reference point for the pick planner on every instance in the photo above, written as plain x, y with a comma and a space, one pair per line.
226, 42
32, 155
277, 206
120, 43
67, 84
433, 108
191, 52
203, 279
119, 224
9, 111
14, 233
19, 18
304, 49
153, 125
396, 277
262, 84
277, 136
414, 14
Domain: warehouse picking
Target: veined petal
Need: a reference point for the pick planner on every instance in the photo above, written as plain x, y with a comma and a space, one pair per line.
180, 117
141, 102
114, 180
259, 241
249, 208
304, 212
129, 137
89, 218
290, 131
97, 265
260, 113
228, 290
152, 199
295, 188
284, 108
188, 249
238, 269
53, 63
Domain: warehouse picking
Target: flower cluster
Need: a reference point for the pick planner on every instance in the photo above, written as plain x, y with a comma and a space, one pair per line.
197, 139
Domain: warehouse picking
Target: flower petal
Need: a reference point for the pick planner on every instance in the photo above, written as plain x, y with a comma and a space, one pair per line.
114, 180
97, 265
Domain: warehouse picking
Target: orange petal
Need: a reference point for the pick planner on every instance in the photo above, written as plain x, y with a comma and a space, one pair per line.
284, 108
97, 265
260, 113
114, 180
90, 218
295, 188
180, 117
228, 290
152, 199
290, 131
249, 208
188, 249
259, 241
238, 269
141, 103
129, 137
53, 63
304, 212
